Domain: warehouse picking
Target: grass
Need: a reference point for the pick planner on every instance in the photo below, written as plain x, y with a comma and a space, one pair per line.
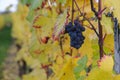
5, 41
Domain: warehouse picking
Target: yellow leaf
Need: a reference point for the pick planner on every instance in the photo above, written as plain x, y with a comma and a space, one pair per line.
104, 71
65, 73
20, 29
37, 74
98, 74
116, 77
59, 60
106, 64
86, 48
45, 23
109, 42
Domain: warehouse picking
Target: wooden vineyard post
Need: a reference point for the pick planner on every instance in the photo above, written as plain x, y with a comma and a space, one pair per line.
116, 46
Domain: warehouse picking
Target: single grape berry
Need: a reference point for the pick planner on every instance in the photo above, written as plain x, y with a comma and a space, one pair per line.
75, 32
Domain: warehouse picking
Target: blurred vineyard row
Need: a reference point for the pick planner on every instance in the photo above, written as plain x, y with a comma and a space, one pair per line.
33, 45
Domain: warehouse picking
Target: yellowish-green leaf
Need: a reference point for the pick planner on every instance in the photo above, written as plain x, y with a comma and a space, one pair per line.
107, 24
44, 23
37, 74
60, 24
109, 42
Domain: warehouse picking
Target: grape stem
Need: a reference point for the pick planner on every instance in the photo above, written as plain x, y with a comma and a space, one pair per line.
60, 10
100, 12
61, 45
92, 8
83, 8
72, 17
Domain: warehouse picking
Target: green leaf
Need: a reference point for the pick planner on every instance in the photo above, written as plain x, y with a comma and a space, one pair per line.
83, 61
77, 75
26, 1
30, 16
81, 65
35, 4
79, 68
81, 78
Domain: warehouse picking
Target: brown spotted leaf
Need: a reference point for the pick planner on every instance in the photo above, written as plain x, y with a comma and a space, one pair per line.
59, 25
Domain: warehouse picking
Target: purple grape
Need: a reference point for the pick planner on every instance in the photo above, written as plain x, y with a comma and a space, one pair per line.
75, 33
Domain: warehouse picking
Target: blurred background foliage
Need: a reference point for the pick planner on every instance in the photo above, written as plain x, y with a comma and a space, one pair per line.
5, 35
5, 38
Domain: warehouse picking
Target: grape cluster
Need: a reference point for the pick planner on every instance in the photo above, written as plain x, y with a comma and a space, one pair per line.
75, 33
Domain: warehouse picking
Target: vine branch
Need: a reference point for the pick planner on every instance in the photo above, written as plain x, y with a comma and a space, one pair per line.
92, 8
61, 45
99, 16
83, 7
99, 13
93, 27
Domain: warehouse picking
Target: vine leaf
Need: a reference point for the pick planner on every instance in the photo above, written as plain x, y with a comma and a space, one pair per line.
44, 25
35, 4
37, 74
117, 77
106, 63
26, 1
81, 66
107, 23
98, 74
104, 70
109, 42
87, 44
59, 25
66, 72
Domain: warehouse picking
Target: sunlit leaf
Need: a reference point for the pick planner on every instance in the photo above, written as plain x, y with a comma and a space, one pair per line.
97, 74
106, 63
